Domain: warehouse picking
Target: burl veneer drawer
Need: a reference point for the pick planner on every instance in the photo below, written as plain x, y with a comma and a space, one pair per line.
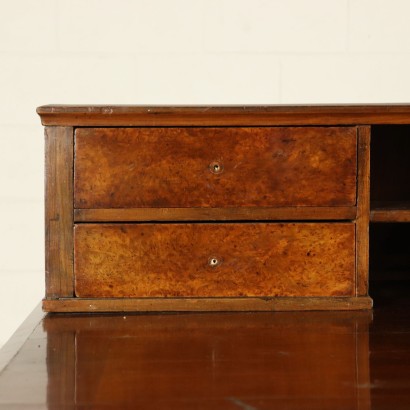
215, 167
210, 260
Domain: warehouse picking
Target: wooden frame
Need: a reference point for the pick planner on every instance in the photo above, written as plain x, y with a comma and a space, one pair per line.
390, 214
59, 146
363, 211
214, 214
207, 304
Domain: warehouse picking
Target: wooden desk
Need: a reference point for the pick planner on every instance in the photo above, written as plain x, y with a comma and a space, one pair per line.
292, 360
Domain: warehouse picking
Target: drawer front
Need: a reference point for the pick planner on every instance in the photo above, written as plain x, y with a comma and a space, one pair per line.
205, 260
215, 167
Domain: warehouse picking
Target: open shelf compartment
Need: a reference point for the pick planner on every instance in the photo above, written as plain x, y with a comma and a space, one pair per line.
390, 173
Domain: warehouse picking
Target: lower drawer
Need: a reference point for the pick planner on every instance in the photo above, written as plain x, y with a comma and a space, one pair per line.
211, 260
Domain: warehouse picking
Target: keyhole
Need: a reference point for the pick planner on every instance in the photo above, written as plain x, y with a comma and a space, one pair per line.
216, 167
214, 261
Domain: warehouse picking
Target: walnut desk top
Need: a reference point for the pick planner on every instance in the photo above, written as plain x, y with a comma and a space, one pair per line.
347, 360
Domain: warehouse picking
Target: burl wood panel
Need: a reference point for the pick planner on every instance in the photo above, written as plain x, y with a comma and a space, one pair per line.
174, 260
215, 167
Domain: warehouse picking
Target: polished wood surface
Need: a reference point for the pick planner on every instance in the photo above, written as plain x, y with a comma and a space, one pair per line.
213, 260
203, 304
394, 211
210, 355
363, 212
59, 154
300, 213
215, 167
240, 115
286, 360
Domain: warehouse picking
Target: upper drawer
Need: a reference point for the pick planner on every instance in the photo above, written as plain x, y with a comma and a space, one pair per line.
215, 167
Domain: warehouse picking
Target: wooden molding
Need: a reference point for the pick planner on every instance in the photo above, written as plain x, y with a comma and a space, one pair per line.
207, 304
141, 115
363, 211
214, 214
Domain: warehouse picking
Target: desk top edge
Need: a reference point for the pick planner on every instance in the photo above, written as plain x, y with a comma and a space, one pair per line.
19, 337
235, 115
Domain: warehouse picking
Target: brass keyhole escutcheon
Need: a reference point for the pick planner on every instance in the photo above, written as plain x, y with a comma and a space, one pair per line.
214, 261
216, 167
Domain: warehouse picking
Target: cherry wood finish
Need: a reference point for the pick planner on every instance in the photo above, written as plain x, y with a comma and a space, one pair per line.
127, 116
215, 167
211, 260
59, 211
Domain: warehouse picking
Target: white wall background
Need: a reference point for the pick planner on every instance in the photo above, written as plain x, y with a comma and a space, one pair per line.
171, 52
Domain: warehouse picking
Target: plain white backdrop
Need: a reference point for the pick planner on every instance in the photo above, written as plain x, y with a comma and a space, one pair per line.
171, 52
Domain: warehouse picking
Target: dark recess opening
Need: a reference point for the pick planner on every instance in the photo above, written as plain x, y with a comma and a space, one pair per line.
389, 190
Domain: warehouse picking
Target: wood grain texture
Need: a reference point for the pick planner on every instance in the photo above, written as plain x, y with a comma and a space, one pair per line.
59, 211
363, 211
192, 361
363, 375
390, 215
173, 167
215, 214
231, 304
295, 361
211, 260
393, 211
126, 116
61, 353
204, 361
9, 350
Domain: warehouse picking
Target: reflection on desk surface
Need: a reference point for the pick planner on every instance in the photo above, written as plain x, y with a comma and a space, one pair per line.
292, 360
